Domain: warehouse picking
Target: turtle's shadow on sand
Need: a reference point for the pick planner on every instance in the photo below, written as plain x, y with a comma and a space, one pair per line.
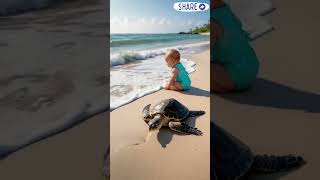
231, 154
165, 134
271, 94
196, 92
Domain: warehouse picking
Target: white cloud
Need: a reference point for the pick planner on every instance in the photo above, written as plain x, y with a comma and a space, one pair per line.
125, 20
119, 20
162, 21
114, 20
142, 21
189, 23
169, 22
154, 20
133, 24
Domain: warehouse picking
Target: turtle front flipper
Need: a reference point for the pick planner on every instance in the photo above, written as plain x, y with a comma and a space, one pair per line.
155, 123
271, 163
184, 128
146, 112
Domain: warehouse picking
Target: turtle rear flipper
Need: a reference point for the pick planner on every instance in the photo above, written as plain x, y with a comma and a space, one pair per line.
184, 128
267, 163
196, 113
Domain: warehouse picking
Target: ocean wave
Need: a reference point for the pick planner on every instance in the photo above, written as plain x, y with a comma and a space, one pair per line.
126, 57
146, 40
131, 56
119, 43
118, 40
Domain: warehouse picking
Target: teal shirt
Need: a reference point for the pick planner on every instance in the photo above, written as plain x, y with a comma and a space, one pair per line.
183, 76
233, 49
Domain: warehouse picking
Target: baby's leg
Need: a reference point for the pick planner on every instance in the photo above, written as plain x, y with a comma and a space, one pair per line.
221, 81
176, 87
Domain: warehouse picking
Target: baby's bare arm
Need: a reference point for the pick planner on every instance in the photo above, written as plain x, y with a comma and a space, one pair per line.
173, 77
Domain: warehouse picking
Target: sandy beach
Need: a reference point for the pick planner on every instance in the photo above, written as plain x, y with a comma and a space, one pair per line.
179, 156
206, 34
280, 114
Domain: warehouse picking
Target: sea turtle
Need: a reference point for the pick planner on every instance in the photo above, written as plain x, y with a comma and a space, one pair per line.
231, 159
171, 113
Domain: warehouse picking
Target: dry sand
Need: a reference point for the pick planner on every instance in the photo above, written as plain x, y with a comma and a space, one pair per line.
281, 114
76, 154
166, 155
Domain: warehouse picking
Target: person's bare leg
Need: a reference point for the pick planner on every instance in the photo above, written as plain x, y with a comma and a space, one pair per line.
220, 80
176, 87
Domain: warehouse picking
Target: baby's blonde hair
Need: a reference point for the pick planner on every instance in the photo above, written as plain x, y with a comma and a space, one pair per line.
174, 54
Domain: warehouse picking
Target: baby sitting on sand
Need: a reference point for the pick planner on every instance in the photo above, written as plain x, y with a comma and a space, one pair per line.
234, 64
179, 79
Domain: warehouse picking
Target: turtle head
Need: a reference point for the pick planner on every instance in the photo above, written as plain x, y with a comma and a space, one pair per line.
155, 123
146, 112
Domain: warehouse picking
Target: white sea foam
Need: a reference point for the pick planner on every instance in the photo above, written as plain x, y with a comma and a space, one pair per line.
127, 57
133, 83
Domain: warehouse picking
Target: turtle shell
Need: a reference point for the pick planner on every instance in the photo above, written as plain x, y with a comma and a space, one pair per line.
171, 109
230, 158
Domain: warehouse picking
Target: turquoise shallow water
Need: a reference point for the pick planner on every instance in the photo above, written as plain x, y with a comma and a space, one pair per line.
128, 48
122, 42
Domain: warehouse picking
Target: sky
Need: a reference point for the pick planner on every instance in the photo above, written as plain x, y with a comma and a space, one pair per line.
153, 16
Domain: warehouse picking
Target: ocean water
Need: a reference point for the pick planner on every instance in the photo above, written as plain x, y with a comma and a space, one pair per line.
137, 65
